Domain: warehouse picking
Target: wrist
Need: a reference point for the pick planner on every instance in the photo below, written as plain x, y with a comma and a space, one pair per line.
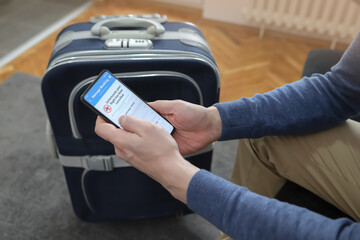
177, 180
215, 122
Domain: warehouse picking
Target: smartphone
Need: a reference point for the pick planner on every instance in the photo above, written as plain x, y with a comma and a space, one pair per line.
110, 98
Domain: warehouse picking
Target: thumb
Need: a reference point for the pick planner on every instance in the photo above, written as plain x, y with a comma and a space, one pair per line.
164, 107
133, 124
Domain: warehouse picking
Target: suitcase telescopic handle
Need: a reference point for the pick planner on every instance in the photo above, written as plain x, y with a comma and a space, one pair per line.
155, 17
102, 28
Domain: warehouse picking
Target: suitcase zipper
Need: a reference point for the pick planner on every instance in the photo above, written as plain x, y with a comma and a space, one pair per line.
74, 128
89, 56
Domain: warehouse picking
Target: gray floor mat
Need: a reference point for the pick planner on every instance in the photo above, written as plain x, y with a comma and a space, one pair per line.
34, 202
20, 20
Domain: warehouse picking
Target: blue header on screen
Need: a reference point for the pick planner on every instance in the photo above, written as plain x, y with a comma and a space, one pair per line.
99, 88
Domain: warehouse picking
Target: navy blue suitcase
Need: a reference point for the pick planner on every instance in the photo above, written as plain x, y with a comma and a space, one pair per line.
157, 60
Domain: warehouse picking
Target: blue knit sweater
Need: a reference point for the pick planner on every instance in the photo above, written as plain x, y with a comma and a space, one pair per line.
311, 104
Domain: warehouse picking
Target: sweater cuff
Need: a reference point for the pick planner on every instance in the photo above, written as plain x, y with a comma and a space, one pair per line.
208, 188
235, 120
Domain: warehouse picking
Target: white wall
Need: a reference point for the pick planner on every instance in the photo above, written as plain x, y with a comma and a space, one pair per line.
224, 10
231, 11
187, 3
221, 10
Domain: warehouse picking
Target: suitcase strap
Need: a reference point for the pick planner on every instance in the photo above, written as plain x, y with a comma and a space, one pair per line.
107, 162
96, 163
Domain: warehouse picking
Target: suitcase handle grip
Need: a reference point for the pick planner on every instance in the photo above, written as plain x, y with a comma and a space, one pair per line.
153, 28
155, 17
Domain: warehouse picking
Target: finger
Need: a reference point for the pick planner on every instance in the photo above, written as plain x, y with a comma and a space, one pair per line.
104, 129
164, 107
113, 134
134, 124
100, 119
120, 154
120, 138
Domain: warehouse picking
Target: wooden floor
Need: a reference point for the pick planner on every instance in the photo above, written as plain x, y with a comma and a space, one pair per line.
247, 65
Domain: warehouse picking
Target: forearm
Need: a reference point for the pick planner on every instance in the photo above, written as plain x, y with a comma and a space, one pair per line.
301, 107
245, 215
311, 104
177, 179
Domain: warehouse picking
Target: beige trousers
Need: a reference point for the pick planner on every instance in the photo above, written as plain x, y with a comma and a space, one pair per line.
326, 163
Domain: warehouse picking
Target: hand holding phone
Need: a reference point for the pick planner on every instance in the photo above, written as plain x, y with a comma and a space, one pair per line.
110, 98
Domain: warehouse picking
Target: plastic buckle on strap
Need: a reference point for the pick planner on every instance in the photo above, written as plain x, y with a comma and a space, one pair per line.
99, 163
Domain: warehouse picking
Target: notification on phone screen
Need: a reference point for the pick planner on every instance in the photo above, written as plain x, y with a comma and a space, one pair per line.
113, 99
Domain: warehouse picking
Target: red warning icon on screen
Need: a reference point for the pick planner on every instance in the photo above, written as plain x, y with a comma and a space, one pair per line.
107, 108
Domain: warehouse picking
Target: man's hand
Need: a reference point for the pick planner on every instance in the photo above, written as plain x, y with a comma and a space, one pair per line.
151, 149
196, 126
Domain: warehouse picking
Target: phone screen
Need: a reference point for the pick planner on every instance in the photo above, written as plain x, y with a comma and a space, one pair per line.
111, 99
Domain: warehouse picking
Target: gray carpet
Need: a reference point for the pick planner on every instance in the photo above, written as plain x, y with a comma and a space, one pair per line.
20, 20
34, 202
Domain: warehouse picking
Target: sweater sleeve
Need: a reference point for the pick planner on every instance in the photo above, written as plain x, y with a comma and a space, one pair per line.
310, 104
245, 215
